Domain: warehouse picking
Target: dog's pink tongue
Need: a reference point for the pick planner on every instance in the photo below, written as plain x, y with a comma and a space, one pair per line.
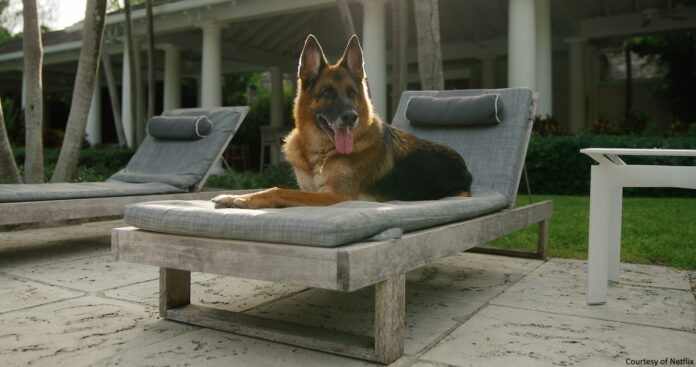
343, 139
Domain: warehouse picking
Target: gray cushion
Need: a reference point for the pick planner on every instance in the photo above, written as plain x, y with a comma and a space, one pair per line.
183, 163
481, 110
80, 190
179, 127
314, 226
493, 154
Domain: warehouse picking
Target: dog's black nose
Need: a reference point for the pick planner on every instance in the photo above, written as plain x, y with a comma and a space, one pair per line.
349, 117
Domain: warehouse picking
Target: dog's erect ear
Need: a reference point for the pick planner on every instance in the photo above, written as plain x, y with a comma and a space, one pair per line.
353, 58
312, 60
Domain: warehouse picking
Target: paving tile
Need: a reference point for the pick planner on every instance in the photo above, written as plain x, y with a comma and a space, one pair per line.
436, 297
469, 272
422, 363
39, 246
501, 336
79, 332
228, 293
16, 294
91, 274
654, 276
207, 347
561, 286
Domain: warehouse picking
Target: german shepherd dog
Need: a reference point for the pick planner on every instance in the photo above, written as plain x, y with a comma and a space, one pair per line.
340, 150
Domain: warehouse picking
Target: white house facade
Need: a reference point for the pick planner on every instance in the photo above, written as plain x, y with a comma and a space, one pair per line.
551, 46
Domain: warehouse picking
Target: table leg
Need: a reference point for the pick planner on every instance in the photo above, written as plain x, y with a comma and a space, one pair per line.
614, 216
599, 237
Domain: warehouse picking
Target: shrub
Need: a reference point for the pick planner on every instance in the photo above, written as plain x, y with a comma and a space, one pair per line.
96, 164
548, 125
281, 176
556, 166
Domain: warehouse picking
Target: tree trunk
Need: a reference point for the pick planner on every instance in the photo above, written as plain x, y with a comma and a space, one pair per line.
150, 63
8, 166
429, 51
113, 94
135, 78
33, 112
399, 49
346, 18
87, 71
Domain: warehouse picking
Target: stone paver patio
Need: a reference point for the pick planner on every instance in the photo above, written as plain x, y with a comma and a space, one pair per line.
63, 301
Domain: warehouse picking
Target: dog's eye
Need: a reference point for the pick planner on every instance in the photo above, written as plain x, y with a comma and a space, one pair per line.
351, 92
327, 93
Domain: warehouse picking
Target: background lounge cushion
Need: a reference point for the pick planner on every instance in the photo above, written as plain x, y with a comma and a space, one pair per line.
480, 110
179, 127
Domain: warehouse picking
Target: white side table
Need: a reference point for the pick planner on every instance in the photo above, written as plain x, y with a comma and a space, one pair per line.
606, 192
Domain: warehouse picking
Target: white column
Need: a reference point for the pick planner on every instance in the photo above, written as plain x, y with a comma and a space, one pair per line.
488, 72
94, 119
576, 83
276, 97
172, 77
211, 66
521, 44
375, 53
126, 102
543, 58
211, 75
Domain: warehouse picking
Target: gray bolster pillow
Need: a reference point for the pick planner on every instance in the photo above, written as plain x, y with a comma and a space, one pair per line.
179, 127
482, 110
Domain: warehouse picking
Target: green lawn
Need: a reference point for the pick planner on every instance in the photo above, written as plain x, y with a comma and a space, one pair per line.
654, 231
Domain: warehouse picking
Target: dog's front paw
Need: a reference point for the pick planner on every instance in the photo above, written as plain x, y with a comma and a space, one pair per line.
224, 201
249, 201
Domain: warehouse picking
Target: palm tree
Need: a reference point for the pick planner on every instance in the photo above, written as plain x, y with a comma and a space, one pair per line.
136, 79
8, 166
428, 37
87, 71
399, 48
346, 18
33, 113
113, 94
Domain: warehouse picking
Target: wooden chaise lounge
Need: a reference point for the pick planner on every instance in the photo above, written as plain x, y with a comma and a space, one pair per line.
160, 169
309, 246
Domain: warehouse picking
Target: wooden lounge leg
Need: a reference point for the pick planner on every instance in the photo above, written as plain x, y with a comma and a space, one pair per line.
543, 238
175, 289
390, 303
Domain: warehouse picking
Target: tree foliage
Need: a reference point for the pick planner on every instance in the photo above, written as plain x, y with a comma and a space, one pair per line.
676, 53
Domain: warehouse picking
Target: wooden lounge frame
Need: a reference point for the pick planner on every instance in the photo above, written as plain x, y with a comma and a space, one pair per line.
343, 268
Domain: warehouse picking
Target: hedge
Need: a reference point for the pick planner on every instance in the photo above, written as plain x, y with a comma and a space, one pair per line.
556, 166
